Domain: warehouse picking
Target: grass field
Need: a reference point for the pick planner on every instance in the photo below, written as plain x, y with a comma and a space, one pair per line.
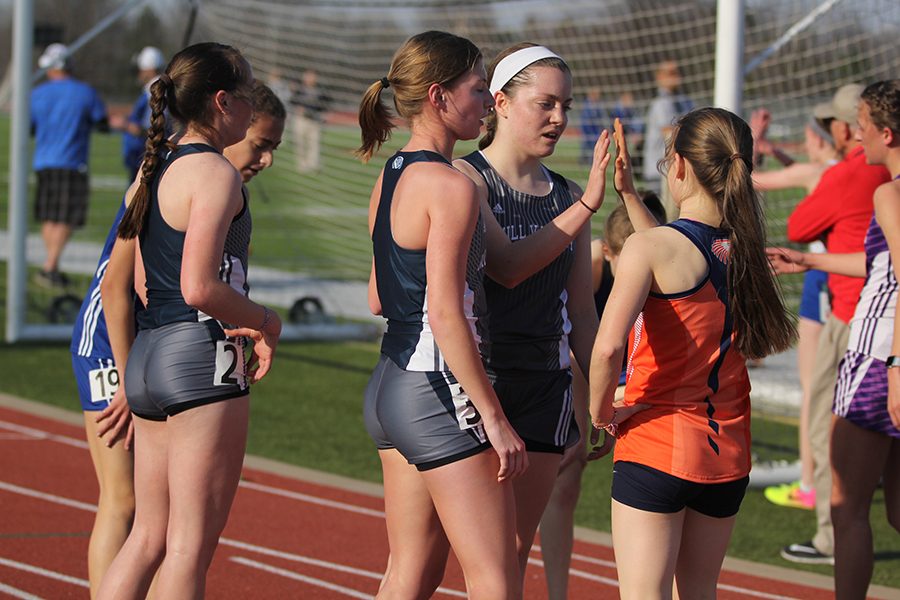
316, 222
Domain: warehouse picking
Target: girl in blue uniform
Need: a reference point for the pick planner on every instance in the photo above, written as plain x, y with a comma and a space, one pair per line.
186, 377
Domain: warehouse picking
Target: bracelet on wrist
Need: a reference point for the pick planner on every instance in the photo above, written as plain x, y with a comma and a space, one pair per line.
584, 204
266, 315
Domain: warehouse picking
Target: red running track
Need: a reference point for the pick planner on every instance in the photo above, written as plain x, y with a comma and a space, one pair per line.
286, 537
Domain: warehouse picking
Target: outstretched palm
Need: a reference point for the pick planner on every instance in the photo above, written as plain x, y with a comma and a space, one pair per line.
624, 176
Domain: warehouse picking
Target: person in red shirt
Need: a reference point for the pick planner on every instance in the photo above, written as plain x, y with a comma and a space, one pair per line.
838, 209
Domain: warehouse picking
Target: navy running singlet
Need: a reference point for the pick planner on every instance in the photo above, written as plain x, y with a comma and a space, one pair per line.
162, 248
527, 326
402, 283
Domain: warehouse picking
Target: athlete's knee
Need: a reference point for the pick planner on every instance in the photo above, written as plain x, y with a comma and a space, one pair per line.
117, 502
402, 583
566, 492
490, 588
149, 541
845, 511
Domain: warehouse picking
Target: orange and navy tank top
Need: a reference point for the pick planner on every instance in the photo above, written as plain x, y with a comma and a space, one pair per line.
682, 361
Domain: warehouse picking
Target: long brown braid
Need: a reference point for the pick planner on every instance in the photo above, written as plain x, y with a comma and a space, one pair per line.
192, 77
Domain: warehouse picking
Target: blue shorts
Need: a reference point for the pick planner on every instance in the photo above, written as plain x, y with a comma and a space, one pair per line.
815, 301
651, 490
97, 380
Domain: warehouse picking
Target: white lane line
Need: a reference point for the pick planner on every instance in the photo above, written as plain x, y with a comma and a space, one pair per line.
14, 564
298, 577
17, 593
318, 563
223, 541
266, 489
10, 487
580, 573
312, 499
754, 593
584, 558
615, 583
43, 435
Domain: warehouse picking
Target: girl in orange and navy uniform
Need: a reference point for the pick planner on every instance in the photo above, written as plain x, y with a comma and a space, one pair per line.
698, 424
698, 298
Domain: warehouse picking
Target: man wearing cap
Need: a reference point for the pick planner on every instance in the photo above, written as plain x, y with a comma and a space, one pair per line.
150, 63
63, 111
839, 208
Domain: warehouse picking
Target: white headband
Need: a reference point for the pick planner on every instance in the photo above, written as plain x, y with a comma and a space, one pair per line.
511, 65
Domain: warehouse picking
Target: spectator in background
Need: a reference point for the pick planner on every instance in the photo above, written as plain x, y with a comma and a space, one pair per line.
279, 86
150, 63
815, 301
309, 103
839, 208
633, 126
591, 124
63, 112
661, 115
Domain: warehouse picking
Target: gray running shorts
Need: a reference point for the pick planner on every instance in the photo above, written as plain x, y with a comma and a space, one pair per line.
538, 405
182, 365
425, 415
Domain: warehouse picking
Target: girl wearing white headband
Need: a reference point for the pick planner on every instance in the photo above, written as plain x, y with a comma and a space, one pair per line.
538, 284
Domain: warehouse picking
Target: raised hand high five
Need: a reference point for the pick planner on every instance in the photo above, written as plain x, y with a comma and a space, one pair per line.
624, 175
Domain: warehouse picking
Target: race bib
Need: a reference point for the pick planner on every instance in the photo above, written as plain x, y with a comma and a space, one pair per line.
466, 413
230, 364
104, 383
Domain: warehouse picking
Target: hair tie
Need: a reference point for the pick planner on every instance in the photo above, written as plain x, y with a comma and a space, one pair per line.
738, 155
165, 80
385, 83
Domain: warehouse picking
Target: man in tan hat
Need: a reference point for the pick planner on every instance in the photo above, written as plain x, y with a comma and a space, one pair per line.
839, 210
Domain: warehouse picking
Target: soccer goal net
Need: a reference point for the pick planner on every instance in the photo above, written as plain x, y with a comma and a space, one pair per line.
613, 47
310, 209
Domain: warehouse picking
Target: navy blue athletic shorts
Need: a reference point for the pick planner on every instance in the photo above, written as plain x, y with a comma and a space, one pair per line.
651, 490
815, 300
538, 405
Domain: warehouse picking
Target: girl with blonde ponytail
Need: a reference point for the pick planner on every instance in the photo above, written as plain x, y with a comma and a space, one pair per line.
698, 298
447, 451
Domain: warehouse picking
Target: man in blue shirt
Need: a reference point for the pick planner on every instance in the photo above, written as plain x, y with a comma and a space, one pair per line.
63, 111
150, 63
